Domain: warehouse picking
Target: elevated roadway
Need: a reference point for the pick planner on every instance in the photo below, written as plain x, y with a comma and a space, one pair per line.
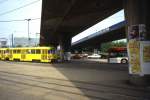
66, 18
111, 33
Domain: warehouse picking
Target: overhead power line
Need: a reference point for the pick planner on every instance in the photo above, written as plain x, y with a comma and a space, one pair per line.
4, 13
11, 20
18, 20
35, 18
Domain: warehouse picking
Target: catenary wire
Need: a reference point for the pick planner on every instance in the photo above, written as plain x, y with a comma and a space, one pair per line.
4, 13
18, 20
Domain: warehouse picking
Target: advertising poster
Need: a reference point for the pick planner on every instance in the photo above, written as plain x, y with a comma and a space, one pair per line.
145, 57
134, 49
146, 53
142, 32
133, 33
138, 50
134, 57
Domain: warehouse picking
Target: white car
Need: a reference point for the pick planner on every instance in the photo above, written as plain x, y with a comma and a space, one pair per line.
95, 56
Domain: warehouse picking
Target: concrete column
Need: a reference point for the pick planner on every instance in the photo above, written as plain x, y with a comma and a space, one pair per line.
136, 13
65, 47
96, 48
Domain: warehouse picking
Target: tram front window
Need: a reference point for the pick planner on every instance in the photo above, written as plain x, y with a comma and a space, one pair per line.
51, 51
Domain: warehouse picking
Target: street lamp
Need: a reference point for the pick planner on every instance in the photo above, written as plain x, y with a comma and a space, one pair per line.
37, 42
28, 31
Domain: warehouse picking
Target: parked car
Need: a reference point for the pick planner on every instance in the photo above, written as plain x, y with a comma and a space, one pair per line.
84, 55
76, 56
94, 56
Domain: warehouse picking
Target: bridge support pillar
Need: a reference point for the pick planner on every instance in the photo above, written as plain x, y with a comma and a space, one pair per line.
138, 21
96, 48
65, 47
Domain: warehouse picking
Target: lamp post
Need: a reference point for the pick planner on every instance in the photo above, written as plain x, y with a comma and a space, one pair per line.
12, 40
28, 31
37, 38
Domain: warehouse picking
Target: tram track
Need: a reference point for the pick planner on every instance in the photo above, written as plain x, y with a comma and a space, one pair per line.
43, 82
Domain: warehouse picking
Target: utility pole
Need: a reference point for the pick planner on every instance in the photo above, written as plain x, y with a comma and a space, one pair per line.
37, 39
28, 31
12, 40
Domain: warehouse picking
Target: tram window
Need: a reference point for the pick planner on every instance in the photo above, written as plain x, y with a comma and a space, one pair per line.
46, 51
14, 51
10, 51
42, 51
23, 51
18, 51
38, 51
28, 51
51, 51
32, 51
7, 51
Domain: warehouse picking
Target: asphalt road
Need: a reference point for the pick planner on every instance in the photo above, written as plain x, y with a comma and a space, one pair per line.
76, 80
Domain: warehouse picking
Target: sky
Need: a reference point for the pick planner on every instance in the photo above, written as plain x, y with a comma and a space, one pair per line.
31, 9
19, 28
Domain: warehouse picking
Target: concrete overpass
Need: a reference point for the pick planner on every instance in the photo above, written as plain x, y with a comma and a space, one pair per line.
62, 19
94, 40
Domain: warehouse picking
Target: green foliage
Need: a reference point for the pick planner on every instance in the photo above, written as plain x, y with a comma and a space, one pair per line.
105, 46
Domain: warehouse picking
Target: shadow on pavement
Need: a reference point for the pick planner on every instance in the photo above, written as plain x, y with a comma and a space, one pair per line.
101, 81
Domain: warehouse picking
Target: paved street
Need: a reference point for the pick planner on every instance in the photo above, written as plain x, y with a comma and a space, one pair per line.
76, 80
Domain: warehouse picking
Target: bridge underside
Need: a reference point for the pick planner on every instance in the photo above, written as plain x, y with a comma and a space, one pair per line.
70, 17
107, 37
62, 19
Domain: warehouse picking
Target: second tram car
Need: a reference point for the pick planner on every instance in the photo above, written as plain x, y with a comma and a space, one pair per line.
118, 55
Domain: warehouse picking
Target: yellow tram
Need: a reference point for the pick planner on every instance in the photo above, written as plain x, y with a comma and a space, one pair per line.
41, 54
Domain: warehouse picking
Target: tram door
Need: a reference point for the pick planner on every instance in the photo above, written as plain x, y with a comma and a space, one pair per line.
10, 54
44, 55
23, 54
3, 54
